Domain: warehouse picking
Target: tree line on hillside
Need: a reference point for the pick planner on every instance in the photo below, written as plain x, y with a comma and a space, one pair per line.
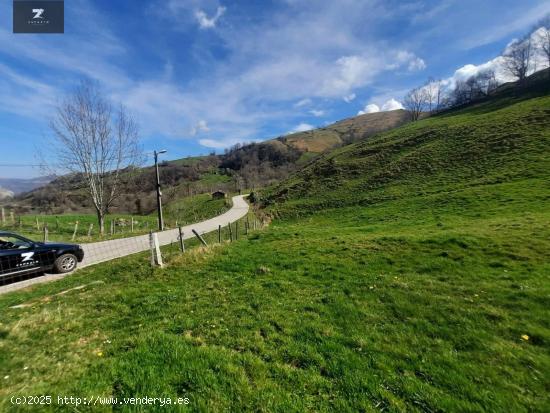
518, 61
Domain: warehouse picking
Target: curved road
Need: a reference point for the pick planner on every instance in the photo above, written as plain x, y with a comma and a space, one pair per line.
97, 252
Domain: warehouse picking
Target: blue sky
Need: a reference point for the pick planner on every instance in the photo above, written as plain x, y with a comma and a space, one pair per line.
203, 75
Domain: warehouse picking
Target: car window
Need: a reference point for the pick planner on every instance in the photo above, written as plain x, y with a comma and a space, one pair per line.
13, 243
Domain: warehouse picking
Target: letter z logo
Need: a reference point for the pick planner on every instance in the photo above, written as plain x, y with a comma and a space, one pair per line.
27, 256
38, 13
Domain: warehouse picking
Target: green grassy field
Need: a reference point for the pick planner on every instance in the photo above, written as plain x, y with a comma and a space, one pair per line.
61, 227
410, 272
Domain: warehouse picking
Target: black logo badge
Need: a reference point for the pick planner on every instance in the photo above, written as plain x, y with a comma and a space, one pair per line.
38, 16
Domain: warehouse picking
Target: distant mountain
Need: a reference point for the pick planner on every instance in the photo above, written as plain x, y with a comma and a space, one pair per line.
17, 185
5, 194
247, 166
346, 131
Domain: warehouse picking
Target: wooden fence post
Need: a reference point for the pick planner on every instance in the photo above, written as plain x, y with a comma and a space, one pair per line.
236, 230
45, 232
156, 257
182, 245
152, 248
132, 224
112, 227
201, 239
90, 230
3, 216
75, 229
37, 224
230, 232
219, 234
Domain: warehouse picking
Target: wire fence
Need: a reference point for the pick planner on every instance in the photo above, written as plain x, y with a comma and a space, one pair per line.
15, 264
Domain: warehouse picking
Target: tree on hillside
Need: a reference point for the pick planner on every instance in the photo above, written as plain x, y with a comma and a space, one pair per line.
517, 58
544, 27
415, 102
433, 90
95, 141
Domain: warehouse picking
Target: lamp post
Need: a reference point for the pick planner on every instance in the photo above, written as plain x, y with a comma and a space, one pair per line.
159, 194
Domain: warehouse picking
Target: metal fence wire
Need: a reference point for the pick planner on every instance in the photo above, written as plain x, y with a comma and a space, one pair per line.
97, 252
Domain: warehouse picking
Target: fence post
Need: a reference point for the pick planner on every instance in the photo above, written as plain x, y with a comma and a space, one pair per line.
75, 229
156, 257
90, 230
132, 224
12, 218
112, 227
182, 245
20, 223
219, 234
45, 232
3, 216
236, 230
37, 224
152, 248
230, 232
201, 239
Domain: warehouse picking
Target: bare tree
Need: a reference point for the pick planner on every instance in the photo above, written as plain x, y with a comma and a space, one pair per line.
433, 90
95, 141
415, 102
544, 27
517, 58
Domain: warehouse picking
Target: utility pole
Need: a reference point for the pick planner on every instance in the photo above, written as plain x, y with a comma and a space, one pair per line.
159, 194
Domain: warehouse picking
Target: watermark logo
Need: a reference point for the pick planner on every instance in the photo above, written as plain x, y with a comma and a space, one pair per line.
38, 16
38, 13
27, 256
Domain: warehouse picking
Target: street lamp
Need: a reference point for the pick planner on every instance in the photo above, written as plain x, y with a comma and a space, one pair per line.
159, 194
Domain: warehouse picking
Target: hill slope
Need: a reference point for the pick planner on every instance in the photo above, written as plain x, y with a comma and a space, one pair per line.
346, 131
414, 278
500, 140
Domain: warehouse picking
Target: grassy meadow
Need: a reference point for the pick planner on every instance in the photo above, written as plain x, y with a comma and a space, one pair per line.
61, 227
407, 272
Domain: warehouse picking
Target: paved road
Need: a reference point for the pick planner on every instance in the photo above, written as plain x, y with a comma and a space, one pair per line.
97, 252
107, 250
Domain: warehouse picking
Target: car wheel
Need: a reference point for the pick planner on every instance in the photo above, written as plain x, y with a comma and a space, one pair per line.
65, 263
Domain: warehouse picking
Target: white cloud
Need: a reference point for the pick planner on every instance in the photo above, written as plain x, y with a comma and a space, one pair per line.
349, 98
206, 22
416, 64
391, 104
219, 143
302, 127
303, 102
371, 108
201, 126
409, 59
317, 113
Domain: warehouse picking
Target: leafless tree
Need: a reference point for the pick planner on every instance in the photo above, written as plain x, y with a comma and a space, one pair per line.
517, 58
415, 102
544, 27
96, 141
434, 94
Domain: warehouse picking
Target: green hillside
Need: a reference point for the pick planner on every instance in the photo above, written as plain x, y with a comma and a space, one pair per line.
499, 141
346, 131
408, 272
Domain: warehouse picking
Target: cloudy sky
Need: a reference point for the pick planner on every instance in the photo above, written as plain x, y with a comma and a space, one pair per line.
201, 75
